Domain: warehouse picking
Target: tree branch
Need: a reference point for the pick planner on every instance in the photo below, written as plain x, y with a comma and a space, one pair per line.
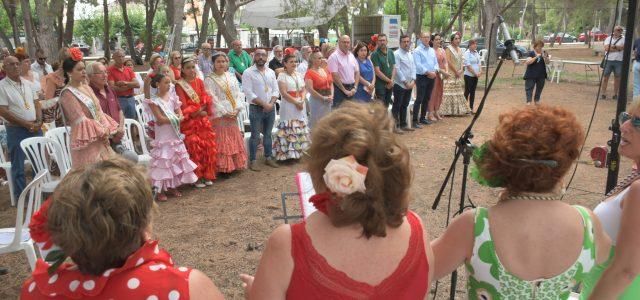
455, 17
509, 5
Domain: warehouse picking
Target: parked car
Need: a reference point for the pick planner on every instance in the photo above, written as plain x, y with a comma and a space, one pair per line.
86, 50
521, 51
596, 36
567, 38
188, 47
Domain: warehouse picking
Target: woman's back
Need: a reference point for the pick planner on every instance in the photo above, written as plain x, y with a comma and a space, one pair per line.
532, 249
392, 266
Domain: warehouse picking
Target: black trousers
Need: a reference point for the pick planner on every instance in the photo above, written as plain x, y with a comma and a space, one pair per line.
401, 98
470, 84
424, 86
529, 84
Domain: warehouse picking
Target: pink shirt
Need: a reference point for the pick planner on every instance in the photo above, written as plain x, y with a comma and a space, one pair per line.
345, 65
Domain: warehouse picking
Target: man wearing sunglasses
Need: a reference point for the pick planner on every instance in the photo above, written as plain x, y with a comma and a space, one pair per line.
613, 45
40, 66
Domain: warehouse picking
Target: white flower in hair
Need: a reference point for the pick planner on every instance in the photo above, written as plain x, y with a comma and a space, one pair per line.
345, 176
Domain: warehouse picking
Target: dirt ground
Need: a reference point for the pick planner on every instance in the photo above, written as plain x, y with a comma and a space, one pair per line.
222, 229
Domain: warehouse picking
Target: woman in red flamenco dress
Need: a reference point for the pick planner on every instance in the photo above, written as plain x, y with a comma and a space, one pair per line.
199, 136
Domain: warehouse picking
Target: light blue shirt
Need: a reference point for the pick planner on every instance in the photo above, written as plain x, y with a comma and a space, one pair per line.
425, 59
471, 59
405, 68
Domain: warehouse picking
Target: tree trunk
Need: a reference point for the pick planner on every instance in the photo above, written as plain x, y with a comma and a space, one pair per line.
6, 41
490, 9
150, 7
612, 20
106, 39
446, 30
46, 35
128, 33
225, 22
263, 33
169, 11
636, 26
28, 27
411, 22
420, 19
460, 23
178, 21
323, 31
59, 25
534, 25
10, 6
195, 18
68, 28
204, 31
344, 18
432, 7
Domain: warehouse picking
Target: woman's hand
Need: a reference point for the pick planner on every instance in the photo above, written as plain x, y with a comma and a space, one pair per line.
300, 104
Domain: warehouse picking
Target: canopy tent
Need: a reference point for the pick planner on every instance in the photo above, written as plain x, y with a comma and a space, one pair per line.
272, 13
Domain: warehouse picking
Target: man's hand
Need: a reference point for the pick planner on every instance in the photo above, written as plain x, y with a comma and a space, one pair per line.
431, 75
389, 85
267, 107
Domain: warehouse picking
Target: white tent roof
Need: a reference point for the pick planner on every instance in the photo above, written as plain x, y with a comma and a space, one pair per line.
266, 13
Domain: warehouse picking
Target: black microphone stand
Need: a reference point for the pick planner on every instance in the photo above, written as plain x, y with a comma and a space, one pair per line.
464, 148
613, 159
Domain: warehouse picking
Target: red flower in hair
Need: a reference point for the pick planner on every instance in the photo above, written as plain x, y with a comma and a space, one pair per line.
38, 226
75, 54
290, 51
374, 38
323, 201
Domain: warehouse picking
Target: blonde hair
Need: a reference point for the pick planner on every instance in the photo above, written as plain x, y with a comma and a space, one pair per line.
99, 213
366, 132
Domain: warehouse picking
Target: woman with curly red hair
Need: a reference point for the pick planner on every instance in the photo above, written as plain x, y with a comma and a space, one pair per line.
91, 128
530, 244
199, 136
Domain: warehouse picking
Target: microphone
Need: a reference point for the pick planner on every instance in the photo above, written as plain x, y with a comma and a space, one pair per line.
509, 43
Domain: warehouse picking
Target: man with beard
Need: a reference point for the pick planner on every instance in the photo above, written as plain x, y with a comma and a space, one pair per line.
261, 90
384, 66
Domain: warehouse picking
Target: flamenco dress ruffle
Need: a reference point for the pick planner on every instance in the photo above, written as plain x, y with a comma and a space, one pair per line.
291, 140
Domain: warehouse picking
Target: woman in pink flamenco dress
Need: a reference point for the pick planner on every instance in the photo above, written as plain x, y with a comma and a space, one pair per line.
170, 165
90, 127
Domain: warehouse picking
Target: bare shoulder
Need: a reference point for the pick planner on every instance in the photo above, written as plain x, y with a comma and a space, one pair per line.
280, 240
201, 287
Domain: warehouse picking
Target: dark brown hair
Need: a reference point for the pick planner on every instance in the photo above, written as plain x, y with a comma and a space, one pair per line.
537, 133
359, 46
99, 213
366, 132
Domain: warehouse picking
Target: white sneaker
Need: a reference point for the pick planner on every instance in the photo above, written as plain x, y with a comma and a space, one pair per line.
199, 184
208, 182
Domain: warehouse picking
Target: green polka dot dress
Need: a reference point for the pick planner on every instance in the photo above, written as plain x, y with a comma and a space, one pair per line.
489, 280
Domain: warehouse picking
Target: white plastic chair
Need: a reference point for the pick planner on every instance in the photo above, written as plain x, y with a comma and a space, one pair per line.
556, 69
5, 163
37, 150
61, 135
139, 98
127, 141
142, 114
18, 238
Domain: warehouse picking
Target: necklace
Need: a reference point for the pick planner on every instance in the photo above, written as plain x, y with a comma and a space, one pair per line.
625, 183
544, 196
20, 89
264, 79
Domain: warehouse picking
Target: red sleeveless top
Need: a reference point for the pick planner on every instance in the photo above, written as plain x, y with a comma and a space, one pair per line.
314, 278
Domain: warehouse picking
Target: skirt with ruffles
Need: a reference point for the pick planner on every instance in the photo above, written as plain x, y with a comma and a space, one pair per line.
231, 153
453, 101
291, 139
200, 141
170, 166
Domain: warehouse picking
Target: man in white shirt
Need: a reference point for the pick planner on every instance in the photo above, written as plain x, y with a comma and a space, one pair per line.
404, 83
260, 87
40, 66
302, 67
23, 118
614, 46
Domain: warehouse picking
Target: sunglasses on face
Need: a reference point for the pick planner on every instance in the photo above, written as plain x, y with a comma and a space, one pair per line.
624, 117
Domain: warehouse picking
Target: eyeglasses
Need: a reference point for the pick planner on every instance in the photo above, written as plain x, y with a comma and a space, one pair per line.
42, 58
177, 57
624, 117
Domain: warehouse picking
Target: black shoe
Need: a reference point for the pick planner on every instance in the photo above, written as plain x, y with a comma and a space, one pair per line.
407, 129
416, 125
3, 271
615, 97
398, 131
603, 97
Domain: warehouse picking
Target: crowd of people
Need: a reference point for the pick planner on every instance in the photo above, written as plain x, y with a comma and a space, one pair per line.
332, 106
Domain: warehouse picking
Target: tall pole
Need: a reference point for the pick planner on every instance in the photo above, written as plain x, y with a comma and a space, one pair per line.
614, 156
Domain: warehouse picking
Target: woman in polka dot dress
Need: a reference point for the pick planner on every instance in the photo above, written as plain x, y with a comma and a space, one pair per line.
121, 262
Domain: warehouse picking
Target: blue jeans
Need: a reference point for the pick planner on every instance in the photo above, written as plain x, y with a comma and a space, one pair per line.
128, 106
424, 86
261, 122
636, 79
15, 135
